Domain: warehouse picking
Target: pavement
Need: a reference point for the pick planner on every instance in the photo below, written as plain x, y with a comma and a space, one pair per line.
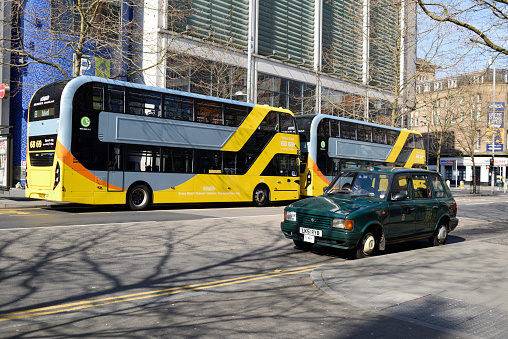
459, 288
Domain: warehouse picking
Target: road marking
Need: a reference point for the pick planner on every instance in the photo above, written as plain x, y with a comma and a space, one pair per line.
80, 305
137, 222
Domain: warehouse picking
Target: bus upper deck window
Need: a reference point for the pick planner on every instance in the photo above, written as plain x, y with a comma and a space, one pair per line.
115, 99
287, 123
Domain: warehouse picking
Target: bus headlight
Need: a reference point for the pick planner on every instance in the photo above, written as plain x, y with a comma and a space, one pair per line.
290, 216
342, 224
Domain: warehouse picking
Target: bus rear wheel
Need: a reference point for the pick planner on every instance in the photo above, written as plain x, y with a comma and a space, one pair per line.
138, 197
260, 196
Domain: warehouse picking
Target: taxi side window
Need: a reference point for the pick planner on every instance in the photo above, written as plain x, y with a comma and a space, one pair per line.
421, 187
439, 189
400, 185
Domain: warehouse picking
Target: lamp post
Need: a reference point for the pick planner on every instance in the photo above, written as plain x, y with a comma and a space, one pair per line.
428, 146
492, 123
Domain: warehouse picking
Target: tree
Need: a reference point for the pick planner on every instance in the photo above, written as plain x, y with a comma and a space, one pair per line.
68, 37
485, 21
444, 111
384, 64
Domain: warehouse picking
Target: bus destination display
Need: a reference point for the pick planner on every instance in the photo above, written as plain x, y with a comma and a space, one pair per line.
46, 112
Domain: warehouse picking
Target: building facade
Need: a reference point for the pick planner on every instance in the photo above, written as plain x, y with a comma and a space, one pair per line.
463, 118
342, 57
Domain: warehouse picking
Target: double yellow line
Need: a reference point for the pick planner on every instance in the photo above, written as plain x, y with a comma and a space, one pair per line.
80, 305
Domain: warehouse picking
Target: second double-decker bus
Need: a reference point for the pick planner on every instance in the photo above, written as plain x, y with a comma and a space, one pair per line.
98, 141
329, 144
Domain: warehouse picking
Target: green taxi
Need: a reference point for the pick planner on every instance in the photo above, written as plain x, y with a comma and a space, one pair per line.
364, 209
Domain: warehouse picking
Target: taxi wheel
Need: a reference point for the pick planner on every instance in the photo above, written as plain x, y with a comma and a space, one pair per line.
302, 245
440, 235
367, 246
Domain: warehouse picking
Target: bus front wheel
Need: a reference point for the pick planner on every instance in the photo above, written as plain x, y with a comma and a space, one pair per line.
138, 197
260, 196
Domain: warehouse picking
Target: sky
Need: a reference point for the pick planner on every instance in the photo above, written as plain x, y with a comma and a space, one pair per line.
450, 47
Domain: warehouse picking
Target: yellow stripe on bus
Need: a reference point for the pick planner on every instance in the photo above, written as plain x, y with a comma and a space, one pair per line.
399, 144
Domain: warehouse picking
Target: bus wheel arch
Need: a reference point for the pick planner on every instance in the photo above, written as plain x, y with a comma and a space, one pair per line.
139, 196
260, 195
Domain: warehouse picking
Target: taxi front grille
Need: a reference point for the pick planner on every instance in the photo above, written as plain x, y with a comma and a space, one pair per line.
307, 220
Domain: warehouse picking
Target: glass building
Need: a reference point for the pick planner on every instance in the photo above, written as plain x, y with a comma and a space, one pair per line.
340, 57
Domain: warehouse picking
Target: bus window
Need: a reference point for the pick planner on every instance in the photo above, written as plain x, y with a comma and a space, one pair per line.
143, 158
303, 124
143, 103
335, 129
115, 99
178, 108
348, 130
392, 136
208, 162
209, 112
229, 163
115, 158
323, 129
287, 123
418, 140
89, 97
97, 97
243, 161
364, 133
177, 160
282, 164
270, 123
234, 115
379, 135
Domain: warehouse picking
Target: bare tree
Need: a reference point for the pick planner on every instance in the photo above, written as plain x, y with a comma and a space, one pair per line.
66, 36
484, 21
387, 73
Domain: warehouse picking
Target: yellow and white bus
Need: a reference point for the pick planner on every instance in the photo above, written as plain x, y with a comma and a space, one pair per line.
98, 141
329, 144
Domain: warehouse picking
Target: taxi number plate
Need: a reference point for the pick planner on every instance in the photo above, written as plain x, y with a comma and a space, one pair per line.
310, 231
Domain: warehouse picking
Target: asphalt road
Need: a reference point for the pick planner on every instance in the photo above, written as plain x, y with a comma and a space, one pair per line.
173, 272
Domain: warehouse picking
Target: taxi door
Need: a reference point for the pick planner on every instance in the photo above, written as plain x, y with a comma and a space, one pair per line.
401, 213
424, 203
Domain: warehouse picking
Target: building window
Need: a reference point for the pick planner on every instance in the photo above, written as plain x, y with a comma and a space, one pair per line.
104, 16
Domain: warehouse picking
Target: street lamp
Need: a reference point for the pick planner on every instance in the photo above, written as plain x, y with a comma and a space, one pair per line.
492, 121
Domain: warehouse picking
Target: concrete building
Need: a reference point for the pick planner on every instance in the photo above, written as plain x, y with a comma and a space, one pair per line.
457, 116
343, 57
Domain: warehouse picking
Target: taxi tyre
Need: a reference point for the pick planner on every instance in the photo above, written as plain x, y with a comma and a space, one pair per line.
440, 235
139, 197
302, 245
260, 196
367, 246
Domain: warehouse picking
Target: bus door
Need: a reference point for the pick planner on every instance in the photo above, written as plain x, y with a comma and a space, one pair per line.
115, 169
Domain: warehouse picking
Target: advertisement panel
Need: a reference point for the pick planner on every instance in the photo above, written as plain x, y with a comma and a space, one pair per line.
4, 162
495, 126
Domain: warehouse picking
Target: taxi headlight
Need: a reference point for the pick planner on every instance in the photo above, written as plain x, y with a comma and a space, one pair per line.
290, 216
342, 223
338, 223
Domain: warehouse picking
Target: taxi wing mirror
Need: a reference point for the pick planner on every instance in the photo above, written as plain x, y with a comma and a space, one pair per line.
400, 196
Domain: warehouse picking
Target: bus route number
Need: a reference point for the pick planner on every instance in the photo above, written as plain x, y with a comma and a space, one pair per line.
285, 143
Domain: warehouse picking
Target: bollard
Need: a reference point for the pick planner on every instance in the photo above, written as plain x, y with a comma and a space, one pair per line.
448, 183
462, 184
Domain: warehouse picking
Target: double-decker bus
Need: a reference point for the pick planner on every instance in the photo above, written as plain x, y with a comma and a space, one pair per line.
98, 141
329, 144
